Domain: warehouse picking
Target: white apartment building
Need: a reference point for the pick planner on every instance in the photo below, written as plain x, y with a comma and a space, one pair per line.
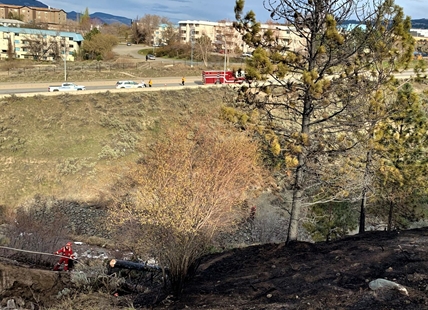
223, 34
38, 43
419, 34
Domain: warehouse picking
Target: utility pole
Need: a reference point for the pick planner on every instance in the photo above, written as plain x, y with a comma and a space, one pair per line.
225, 57
192, 43
65, 63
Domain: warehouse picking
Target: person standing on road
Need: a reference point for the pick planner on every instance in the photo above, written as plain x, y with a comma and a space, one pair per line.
182, 81
147, 57
150, 83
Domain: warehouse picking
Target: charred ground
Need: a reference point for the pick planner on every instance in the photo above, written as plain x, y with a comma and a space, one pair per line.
278, 276
314, 276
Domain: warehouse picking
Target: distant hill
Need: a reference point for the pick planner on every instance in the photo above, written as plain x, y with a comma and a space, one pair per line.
104, 18
416, 23
420, 23
34, 3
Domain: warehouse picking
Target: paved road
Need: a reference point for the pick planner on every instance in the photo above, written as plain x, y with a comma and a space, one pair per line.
158, 83
123, 49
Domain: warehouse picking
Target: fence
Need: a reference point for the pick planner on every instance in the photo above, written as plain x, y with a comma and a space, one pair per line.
98, 67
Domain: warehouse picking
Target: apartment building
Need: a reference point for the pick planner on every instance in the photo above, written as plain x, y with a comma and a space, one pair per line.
39, 44
419, 34
224, 36
33, 14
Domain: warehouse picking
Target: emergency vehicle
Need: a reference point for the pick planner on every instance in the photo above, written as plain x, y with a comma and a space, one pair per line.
221, 77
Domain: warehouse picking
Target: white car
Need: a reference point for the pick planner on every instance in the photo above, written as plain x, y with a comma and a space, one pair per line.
129, 84
246, 55
66, 87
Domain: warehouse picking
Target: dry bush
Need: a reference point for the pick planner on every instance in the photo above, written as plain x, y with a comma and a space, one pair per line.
36, 229
93, 276
184, 192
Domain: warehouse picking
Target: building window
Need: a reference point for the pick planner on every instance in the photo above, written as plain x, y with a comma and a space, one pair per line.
17, 41
17, 49
70, 38
71, 46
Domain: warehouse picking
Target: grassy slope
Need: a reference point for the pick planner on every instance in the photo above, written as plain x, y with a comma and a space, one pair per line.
70, 146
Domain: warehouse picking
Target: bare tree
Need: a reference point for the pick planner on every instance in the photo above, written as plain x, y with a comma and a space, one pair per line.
137, 35
147, 25
184, 192
40, 46
203, 46
170, 34
10, 49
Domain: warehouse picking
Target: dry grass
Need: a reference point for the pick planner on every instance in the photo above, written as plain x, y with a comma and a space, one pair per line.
73, 147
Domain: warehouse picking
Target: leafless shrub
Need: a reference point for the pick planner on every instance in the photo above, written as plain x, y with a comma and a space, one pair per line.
35, 229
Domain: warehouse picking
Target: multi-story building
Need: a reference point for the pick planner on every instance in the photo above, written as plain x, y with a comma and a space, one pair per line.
38, 44
419, 34
33, 14
158, 36
223, 34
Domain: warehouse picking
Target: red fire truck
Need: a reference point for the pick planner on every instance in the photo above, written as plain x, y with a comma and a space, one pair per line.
221, 77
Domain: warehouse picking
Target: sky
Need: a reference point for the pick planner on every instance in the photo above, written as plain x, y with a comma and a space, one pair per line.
204, 10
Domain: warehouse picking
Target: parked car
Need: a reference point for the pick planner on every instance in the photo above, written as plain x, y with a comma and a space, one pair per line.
247, 55
151, 57
128, 44
66, 87
129, 84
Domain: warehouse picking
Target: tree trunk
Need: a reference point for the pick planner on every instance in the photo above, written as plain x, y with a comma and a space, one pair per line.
391, 208
294, 217
296, 206
362, 227
132, 265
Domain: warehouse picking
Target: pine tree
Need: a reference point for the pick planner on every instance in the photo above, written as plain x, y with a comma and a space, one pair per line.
307, 113
401, 143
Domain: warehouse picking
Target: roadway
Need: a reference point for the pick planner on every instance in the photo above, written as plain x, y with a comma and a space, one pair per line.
29, 89
98, 86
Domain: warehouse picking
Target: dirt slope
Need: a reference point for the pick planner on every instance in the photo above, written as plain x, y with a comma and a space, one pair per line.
24, 282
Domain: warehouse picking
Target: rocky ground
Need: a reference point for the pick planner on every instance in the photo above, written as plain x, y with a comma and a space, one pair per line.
336, 275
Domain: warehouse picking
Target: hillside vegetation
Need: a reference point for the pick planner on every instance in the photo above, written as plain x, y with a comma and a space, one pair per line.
69, 145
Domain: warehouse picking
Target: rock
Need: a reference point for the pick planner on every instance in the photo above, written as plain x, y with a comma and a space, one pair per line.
10, 304
382, 284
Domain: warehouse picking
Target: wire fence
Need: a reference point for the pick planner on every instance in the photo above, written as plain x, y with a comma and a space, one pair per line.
105, 67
